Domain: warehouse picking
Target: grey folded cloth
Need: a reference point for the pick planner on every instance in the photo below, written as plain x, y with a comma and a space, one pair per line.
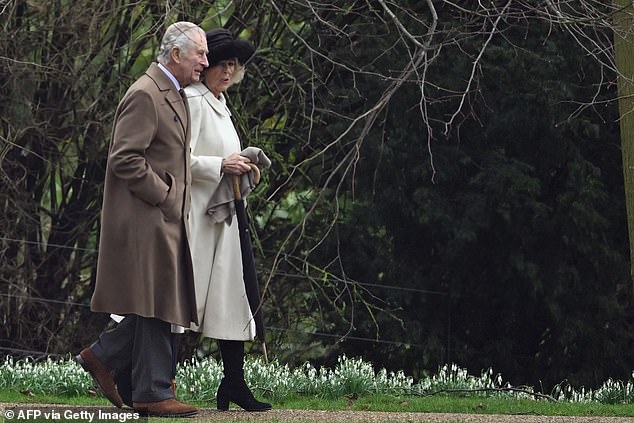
220, 206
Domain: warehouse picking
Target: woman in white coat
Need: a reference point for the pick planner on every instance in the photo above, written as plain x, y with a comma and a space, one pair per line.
223, 308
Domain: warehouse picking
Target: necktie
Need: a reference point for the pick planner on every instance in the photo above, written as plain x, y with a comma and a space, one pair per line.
184, 97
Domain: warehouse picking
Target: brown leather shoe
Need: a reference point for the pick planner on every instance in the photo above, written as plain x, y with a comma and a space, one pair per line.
166, 408
102, 375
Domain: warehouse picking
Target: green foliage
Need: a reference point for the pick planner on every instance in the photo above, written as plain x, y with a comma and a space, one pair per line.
57, 377
610, 392
482, 224
615, 392
519, 227
198, 381
453, 378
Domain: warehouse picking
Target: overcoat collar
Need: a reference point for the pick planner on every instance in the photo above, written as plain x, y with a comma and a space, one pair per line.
218, 104
172, 96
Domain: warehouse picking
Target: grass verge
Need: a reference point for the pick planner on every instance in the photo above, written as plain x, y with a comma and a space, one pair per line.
385, 403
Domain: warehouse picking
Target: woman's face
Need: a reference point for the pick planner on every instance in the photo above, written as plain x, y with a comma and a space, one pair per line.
218, 77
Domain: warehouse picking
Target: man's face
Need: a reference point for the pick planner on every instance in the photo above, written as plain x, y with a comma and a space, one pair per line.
191, 61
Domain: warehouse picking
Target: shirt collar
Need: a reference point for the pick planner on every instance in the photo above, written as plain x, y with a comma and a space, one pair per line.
170, 76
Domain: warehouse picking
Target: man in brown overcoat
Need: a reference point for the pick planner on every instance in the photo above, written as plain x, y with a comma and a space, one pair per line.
144, 268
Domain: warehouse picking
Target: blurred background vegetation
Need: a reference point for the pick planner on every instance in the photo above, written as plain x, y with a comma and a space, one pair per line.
447, 180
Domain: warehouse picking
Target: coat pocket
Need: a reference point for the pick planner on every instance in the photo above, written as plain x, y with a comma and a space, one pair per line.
171, 207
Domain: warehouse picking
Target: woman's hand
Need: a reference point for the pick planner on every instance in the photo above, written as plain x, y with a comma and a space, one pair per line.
235, 164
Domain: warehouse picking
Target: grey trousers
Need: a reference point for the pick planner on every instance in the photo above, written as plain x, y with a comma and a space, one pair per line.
144, 345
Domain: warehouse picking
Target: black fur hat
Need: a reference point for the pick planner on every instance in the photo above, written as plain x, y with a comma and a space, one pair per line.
223, 46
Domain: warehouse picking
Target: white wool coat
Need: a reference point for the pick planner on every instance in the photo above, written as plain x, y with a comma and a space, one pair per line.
222, 304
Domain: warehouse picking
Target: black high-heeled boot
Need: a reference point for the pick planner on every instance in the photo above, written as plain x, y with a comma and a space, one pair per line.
233, 387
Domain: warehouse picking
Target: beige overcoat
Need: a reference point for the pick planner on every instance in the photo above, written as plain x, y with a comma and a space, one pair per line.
144, 264
223, 307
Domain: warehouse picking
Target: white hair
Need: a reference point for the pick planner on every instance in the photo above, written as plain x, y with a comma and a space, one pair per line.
178, 36
238, 74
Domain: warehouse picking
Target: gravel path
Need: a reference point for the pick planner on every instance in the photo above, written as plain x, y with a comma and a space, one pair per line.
369, 416
9, 413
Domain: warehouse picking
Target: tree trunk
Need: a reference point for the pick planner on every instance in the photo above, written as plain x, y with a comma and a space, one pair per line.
624, 57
